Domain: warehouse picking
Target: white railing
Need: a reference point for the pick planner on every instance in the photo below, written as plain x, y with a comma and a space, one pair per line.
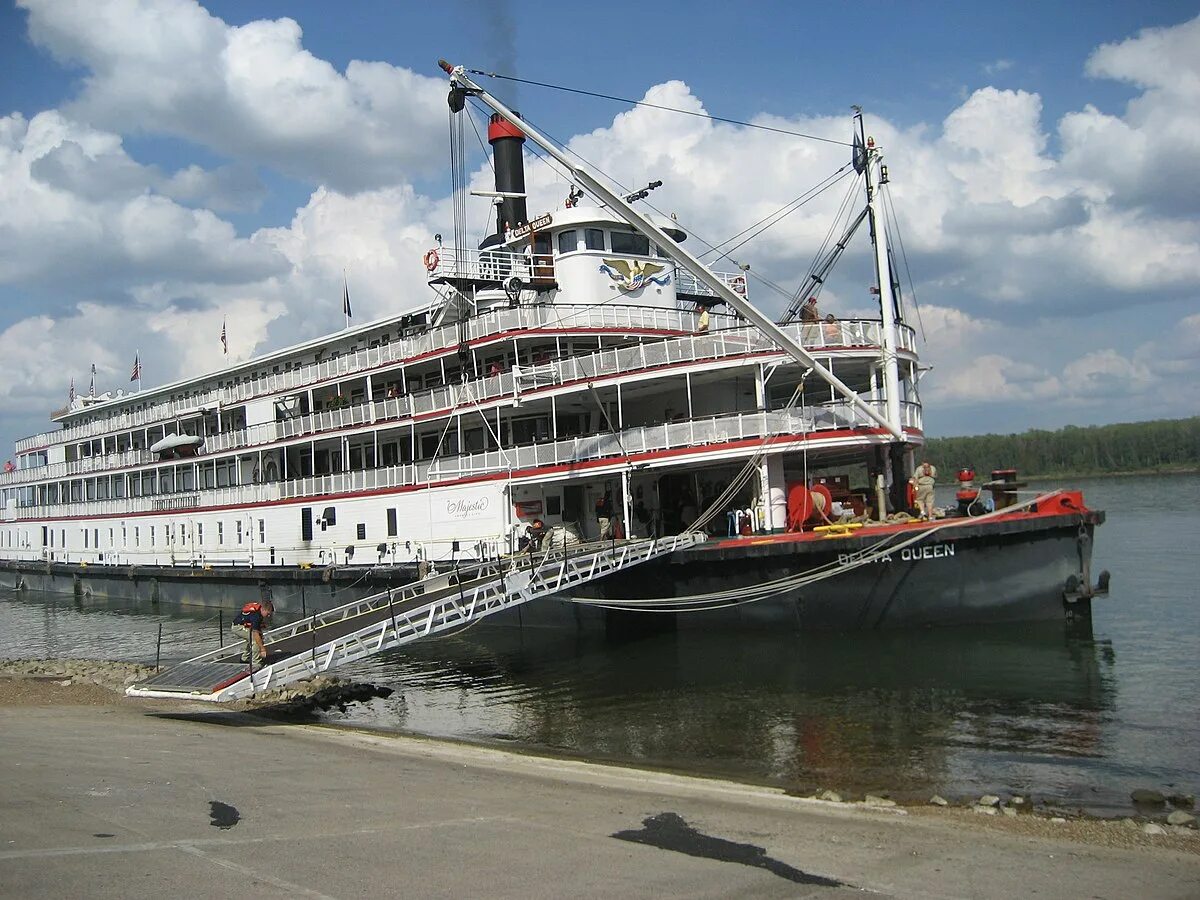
713, 345
692, 433
485, 266
582, 318
687, 283
230, 496
431, 606
567, 317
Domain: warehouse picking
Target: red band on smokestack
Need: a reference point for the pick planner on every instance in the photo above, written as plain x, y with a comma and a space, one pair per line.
499, 127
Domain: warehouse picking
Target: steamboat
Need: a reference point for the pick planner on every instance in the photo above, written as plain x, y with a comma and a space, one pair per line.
580, 376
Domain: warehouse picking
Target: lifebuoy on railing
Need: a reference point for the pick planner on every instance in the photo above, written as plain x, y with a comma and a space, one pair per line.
431, 259
738, 284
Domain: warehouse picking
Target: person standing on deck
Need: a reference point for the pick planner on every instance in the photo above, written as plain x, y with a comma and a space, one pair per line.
248, 626
925, 476
604, 517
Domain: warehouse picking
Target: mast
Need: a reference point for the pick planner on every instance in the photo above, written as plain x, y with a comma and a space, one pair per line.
617, 202
883, 274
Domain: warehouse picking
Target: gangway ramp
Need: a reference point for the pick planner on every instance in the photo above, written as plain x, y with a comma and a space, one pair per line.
434, 605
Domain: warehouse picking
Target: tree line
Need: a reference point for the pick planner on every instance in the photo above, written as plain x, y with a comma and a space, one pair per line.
1163, 444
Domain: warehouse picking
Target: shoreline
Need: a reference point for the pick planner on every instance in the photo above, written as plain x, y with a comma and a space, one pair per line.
35, 683
1133, 473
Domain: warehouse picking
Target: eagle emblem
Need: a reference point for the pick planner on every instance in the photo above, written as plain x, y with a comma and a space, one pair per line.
634, 274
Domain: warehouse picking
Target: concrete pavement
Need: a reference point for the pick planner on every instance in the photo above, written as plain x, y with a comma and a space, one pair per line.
144, 800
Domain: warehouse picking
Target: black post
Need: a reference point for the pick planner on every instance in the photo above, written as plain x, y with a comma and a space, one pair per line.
220, 628
392, 613
158, 649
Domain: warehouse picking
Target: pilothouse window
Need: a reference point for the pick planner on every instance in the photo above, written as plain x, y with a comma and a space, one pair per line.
568, 241
593, 238
630, 243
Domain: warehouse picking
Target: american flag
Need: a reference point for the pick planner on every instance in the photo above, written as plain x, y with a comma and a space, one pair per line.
224, 339
71, 394
92, 389
137, 368
346, 299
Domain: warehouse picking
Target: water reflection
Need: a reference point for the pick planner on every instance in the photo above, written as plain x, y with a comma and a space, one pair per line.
895, 712
34, 625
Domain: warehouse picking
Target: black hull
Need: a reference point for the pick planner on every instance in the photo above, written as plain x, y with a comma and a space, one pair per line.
997, 572
1001, 571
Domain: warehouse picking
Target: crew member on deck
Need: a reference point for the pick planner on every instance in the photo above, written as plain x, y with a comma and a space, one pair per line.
925, 476
604, 517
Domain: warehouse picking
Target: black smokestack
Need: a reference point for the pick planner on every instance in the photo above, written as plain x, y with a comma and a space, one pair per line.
506, 140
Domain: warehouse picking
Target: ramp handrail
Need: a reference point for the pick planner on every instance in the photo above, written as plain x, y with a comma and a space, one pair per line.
480, 590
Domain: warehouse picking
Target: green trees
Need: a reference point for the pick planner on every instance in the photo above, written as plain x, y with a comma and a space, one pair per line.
1166, 444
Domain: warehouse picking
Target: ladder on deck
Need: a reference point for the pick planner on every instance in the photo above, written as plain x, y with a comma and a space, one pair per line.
392, 618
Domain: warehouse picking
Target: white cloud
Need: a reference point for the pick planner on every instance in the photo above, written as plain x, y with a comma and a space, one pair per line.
79, 219
250, 92
1143, 158
1024, 256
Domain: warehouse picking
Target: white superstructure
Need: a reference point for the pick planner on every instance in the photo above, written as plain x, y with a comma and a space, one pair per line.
569, 362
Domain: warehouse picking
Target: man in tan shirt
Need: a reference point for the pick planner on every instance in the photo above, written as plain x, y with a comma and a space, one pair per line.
925, 476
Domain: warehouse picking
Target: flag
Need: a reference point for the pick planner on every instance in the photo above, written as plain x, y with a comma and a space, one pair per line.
92, 389
346, 299
71, 393
224, 339
859, 155
137, 368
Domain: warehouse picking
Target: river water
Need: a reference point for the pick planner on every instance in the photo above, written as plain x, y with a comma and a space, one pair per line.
1075, 716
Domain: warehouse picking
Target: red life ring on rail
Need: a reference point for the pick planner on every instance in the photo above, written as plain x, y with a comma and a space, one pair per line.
431, 260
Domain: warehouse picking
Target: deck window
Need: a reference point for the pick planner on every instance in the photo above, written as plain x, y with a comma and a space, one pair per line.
593, 238
630, 243
568, 241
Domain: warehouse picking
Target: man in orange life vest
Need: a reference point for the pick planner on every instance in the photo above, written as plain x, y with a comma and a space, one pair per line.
248, 626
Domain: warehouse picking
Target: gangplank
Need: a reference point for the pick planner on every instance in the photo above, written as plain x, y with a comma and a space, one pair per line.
445, 602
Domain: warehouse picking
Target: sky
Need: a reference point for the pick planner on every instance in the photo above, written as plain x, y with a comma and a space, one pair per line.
169, 165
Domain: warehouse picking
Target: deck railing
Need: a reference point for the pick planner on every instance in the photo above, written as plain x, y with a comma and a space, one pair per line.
692, 433
490, 323
559, 316
713, 345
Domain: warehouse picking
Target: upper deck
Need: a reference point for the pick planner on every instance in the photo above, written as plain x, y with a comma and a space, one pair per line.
283, 372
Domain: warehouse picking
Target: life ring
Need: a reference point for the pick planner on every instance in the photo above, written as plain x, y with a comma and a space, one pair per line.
431, 259
738, 284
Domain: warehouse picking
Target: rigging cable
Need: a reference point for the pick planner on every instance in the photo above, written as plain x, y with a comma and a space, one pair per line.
779, 212
887, 197
674, 109
813, 193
